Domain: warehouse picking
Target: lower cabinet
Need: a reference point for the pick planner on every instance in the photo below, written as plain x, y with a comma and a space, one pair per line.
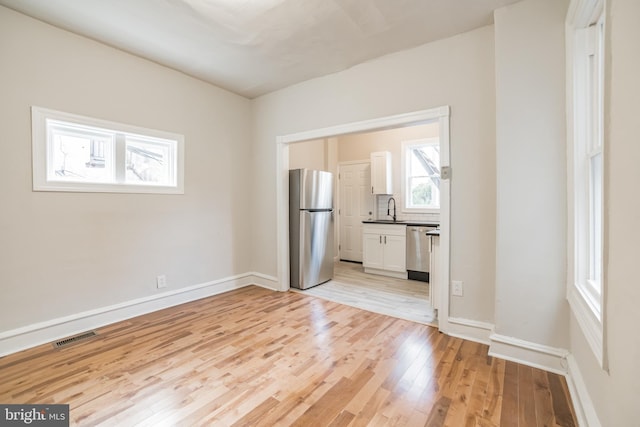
384, 249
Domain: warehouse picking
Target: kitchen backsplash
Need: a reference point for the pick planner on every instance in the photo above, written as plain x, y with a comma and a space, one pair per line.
382, 201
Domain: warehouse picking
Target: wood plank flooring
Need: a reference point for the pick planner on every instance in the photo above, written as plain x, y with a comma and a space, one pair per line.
406, 299
253, 357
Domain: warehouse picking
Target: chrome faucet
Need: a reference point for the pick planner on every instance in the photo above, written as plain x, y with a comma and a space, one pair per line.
394, 208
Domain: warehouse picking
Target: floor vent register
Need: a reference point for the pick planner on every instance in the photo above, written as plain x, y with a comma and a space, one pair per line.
74, 339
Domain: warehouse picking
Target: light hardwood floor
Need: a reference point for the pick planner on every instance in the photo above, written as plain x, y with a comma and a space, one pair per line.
254, 357
406, 299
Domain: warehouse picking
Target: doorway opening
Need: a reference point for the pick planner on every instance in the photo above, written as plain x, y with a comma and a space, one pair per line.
285, 143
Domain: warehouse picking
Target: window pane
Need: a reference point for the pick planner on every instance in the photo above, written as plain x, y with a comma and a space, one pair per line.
425, 160
595, 213
423, 193
148, 163
80, 157
417, 166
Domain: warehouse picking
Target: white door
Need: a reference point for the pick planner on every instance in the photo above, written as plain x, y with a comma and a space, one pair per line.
356, 205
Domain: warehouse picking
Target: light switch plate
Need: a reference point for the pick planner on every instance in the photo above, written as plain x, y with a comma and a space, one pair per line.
445, 172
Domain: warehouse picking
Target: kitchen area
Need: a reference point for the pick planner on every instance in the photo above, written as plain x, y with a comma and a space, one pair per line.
386, 195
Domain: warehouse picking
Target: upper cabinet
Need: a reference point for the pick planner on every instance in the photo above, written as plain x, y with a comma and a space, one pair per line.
381, 173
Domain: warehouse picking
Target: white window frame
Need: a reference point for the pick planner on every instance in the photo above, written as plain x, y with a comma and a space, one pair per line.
41, 118
406, 146
586, 284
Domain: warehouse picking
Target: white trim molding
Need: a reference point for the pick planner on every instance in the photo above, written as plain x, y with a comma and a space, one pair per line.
388, 122
590, 325
582, 404
528, 353
264, 281
29, 336
472, 330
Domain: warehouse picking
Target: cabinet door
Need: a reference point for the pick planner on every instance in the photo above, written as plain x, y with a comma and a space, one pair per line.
395, 255
381, 172
372, 256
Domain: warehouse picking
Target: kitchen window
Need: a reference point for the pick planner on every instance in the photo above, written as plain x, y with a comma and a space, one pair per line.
585, 53
77, 153
421, 175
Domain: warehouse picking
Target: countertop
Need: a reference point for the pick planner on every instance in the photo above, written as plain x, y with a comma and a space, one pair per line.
402, 222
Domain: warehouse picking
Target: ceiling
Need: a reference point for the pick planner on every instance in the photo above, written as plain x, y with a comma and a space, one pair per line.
252, 47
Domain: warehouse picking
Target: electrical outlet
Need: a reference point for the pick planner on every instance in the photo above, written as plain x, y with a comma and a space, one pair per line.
457, 288
161, 281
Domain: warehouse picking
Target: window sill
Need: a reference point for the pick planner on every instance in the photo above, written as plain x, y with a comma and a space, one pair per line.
106, 188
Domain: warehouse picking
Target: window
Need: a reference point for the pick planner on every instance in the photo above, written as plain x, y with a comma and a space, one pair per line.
421, 172
585, 51
587, 148
76, 153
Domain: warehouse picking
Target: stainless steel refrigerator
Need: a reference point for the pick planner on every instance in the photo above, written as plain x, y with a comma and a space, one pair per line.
310, 227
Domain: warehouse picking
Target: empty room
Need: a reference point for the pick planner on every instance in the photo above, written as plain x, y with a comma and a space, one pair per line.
319, 213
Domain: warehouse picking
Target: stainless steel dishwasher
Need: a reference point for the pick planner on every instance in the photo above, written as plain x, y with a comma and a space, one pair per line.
418, 252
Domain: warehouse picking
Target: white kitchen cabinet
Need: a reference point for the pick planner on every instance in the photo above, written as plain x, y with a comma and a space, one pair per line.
381, 173
384, 250
372, 250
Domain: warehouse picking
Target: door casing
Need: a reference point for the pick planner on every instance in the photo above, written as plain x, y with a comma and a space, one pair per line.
441, 115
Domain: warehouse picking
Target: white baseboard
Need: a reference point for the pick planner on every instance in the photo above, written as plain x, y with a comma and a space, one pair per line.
264, 281
25, 337
585, 411
468, 329
529, 353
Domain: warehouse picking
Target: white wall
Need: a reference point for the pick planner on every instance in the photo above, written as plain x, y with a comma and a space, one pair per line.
531, 173
309, 154
359, 146
616, 394
64, 253
459, 72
